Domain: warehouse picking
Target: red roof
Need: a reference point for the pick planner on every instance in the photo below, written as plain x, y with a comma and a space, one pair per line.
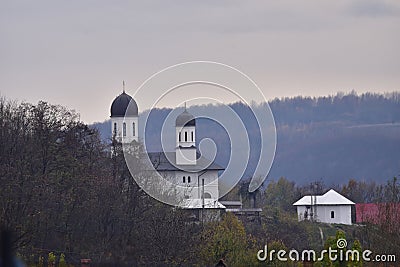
378, 213
367, 212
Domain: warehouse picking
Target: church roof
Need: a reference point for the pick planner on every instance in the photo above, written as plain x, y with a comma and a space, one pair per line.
161, 162
185, 119
124, 105
329, 198
197, 203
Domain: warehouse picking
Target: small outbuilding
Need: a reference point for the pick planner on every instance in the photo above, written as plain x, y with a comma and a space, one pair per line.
331, 207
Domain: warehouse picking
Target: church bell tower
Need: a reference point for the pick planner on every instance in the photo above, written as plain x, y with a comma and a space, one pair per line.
124, 118
185, 150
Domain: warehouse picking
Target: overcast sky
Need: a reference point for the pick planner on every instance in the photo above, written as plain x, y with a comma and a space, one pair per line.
76, 53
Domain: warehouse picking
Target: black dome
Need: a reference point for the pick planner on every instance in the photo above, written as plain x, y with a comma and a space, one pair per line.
185, 119
120, 107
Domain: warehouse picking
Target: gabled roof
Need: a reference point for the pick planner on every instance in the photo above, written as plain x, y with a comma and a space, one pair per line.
329, 198
166, 161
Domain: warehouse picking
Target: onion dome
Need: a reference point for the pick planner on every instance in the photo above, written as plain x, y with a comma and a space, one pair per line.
185, 119
124, 105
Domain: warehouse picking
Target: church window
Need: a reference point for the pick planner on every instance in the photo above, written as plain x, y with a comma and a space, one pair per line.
124, 129
188, 179
180, 136
332, 214
184, 179
133, 129
206, 195
115, 128
192, 136
186, 136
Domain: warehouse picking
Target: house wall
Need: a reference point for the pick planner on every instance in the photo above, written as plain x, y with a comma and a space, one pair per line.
342, 213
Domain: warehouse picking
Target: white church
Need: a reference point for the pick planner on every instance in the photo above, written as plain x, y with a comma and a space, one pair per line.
184, 166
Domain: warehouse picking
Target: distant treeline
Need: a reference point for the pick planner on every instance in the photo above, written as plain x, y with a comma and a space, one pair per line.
367, 108
334, 138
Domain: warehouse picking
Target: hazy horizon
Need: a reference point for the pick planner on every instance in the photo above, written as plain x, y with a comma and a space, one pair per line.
200, 104
78, 53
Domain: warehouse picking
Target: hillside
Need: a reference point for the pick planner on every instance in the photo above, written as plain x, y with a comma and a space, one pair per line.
332, 138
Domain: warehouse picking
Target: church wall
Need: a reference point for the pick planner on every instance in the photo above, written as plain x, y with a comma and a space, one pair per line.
194, 189
129, 128
210, 183
189, 141
186, 156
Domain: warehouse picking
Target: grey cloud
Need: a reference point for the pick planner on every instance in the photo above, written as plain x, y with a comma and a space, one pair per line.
374, 8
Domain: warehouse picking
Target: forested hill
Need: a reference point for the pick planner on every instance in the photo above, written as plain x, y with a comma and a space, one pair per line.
332, 138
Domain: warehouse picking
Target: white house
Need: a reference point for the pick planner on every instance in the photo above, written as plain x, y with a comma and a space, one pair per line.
331, 207
184, 166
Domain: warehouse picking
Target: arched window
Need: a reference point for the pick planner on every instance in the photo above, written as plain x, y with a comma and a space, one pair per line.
207, 195
133, 129
115, 128
180, 136
184, 179
124, 129
188, 179
332, 214
185, 136
192, 136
